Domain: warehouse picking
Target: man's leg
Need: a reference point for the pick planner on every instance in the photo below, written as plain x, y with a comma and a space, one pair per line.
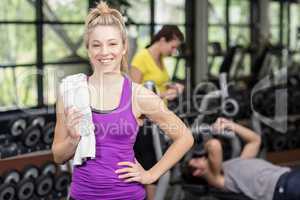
293, 185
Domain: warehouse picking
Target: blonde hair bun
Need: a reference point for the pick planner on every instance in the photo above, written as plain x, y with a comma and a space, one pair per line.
103, 8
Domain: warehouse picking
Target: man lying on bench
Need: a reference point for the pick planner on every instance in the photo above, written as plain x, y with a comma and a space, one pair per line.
255, 178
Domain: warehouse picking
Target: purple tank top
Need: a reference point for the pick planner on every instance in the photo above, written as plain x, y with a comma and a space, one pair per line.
115, 134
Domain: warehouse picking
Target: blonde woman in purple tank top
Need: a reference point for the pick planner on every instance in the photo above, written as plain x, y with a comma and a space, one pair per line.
118, 106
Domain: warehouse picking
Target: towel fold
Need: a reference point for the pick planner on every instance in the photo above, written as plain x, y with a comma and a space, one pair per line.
75, 93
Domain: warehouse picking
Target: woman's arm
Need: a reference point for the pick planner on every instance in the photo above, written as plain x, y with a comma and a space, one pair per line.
154, 108
136, 75
64, 144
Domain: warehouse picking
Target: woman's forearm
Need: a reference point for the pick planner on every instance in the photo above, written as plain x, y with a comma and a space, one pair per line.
162, 94
64, 150
174, 153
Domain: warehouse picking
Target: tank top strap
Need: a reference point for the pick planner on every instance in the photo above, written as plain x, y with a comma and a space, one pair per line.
126, 93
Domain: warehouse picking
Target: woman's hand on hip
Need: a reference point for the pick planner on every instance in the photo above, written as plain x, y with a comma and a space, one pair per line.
134, 172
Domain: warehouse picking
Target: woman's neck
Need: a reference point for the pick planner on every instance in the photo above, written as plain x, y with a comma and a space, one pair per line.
155, 52
105, 78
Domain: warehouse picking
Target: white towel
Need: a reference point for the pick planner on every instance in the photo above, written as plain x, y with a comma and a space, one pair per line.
74, 91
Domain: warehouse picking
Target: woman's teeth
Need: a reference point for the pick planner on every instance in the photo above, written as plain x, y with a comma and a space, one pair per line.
105, 60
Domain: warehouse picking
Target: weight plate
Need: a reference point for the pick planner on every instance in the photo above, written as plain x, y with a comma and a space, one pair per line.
48, 168
18, 126
25, 189
7, 192
32, 136
48, 133
12, 176
8, 150
279, 143
38, 121
62, 181
30, 171
44, 185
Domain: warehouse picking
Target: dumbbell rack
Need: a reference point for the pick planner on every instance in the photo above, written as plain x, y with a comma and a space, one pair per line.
283, 148
20, 161
288, 157
26, 131
35, 156
38, 160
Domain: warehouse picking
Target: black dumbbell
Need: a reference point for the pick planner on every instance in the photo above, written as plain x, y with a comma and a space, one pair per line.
8, 150
292, 141
48, 134
279, 141
37, 121
62, 182
26, 187
17, 127
45, 182
31, 136
49, 168
7, 191
5, 138
8, 186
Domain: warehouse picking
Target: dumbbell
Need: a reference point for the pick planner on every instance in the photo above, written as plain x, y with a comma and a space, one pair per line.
26, 136
278, 141
62, 182
31, 138
43, 178
207, 131
17, 127
49, 168
294, 101
32, 135
8, 150
292, 141
37, 121
204, 132
45, 182
5, 137
48, 134
27, 186
8, 185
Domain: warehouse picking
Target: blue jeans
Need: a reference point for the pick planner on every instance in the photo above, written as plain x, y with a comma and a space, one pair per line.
287, 187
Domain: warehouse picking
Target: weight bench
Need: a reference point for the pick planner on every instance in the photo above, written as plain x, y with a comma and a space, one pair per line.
201, 190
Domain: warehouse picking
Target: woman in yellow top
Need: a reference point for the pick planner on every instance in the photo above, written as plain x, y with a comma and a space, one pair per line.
146, 65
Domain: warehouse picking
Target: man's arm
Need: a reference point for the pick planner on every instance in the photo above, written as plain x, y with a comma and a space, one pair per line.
252, 139
215, 158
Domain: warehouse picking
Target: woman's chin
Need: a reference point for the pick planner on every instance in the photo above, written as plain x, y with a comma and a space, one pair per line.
107, 69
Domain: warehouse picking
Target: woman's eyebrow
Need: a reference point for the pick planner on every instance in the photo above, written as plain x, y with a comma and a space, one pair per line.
110, 39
